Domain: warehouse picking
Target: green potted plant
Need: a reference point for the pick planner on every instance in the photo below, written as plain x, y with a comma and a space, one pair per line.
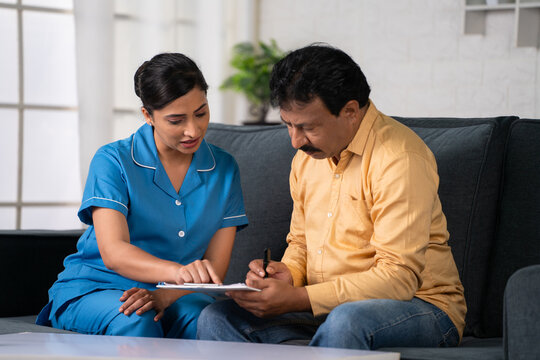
254, 64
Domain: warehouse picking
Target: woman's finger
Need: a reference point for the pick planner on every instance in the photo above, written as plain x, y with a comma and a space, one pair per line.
213, 275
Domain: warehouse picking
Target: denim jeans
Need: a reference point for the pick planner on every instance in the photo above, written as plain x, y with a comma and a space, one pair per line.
367, 325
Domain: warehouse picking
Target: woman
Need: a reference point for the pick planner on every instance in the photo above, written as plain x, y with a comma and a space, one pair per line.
161, 205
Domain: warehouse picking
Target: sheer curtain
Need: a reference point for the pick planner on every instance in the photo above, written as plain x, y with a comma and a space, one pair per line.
94, 45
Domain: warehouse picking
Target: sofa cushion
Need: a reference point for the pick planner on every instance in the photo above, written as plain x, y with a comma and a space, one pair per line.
469, 155
264, 155
31, 261
518, 240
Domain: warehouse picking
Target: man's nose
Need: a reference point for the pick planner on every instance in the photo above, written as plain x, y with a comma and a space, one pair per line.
297, 138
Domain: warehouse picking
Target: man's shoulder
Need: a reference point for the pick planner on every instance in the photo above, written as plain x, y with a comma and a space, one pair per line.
395, 138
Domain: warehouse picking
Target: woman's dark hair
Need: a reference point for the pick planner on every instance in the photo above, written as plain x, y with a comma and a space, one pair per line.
318, 70
166, 77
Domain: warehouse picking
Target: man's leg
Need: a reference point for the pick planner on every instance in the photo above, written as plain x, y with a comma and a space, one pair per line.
97, 313
372, 324
226, 321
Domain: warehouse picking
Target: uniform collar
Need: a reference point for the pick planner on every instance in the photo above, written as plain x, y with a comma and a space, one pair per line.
358, 143
144, 152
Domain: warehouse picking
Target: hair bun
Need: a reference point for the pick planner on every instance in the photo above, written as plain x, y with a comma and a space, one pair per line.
138, 78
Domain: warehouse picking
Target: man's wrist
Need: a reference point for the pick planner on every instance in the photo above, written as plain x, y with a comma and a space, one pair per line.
300, 299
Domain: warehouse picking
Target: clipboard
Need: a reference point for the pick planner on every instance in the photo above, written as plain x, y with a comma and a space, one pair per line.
208, 288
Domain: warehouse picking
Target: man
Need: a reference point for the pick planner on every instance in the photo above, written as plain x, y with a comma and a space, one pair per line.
367, 263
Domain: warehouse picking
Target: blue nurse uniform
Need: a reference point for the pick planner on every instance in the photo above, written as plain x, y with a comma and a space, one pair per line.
128, 176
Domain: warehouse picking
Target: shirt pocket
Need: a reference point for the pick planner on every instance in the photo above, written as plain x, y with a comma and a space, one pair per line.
354, 222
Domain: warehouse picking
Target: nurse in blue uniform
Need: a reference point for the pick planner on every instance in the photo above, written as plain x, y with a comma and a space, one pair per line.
161, 205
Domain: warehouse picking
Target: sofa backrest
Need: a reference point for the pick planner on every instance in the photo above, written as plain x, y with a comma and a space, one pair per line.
469, 155
264, 155
517, 243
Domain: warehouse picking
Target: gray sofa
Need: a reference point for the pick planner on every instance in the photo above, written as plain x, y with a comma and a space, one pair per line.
489, 189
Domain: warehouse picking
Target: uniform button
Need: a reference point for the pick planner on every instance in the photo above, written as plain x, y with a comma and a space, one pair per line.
178, 202
336, 176
329, 214
319, 251
181, 233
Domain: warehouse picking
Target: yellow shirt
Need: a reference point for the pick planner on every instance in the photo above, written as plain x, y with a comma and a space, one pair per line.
372, 226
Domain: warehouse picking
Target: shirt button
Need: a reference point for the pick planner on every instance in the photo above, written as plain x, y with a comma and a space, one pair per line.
181, 233
329, 214
178, 202
336, 176
319, 251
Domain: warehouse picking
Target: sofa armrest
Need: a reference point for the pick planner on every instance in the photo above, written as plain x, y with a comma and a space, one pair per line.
31, 261
522, 314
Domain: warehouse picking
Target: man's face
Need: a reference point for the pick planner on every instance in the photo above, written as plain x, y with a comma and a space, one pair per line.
316, 131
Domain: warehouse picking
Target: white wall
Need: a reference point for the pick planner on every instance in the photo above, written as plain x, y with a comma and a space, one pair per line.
415, 55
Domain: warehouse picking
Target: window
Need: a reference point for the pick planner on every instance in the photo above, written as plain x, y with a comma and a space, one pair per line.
40, 182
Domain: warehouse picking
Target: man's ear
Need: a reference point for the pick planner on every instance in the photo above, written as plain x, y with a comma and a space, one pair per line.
147, 117
351, 110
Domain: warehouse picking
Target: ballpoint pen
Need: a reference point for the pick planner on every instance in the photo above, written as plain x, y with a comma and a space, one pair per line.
266, 260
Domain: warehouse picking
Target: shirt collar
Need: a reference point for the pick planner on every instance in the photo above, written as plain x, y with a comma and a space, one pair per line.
144, 151
358, 143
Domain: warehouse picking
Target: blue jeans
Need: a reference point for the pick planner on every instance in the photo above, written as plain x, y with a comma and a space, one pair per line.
97, 313
366, 325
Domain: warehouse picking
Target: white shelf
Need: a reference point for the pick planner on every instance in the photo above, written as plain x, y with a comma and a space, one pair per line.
526, 16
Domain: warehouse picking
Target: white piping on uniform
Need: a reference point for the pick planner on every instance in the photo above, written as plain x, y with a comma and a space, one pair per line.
232, 217
213, 158
135, 161
100, 198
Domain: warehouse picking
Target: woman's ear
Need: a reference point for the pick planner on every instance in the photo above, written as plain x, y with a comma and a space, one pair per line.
147, 117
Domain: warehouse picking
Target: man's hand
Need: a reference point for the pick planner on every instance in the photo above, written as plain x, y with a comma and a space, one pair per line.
278, 295
141, 300
275, 270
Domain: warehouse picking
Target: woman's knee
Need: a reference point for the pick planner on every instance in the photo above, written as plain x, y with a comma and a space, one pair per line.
135, 325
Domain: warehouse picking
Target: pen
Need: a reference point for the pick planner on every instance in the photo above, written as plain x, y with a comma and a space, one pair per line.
266, 260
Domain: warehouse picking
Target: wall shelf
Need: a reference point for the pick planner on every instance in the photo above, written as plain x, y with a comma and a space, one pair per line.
526, 18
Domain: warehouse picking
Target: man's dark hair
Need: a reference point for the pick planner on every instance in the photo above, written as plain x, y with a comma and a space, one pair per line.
318, 70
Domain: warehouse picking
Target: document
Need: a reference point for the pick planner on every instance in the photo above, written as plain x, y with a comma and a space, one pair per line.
208, 288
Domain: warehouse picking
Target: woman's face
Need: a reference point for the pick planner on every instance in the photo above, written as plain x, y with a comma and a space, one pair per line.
181, 125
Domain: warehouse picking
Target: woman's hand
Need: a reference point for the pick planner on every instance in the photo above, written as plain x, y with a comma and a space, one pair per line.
141, 300
199, 271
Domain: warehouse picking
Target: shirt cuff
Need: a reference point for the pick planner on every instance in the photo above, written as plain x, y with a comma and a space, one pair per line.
240, 221
323, 298
85, 211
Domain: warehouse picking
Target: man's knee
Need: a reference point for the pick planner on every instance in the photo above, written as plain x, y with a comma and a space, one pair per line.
208, 318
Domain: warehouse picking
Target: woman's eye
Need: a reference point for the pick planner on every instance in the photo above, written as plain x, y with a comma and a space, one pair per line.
200, 115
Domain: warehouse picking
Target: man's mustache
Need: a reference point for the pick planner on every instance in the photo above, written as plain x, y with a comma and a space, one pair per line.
307, 148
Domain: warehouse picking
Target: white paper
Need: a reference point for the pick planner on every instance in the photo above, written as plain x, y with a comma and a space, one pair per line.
208, 288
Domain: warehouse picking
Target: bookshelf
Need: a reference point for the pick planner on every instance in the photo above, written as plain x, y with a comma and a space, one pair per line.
526, 18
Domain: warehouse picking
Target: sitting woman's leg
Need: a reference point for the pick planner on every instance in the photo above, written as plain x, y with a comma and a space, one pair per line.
97, 313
